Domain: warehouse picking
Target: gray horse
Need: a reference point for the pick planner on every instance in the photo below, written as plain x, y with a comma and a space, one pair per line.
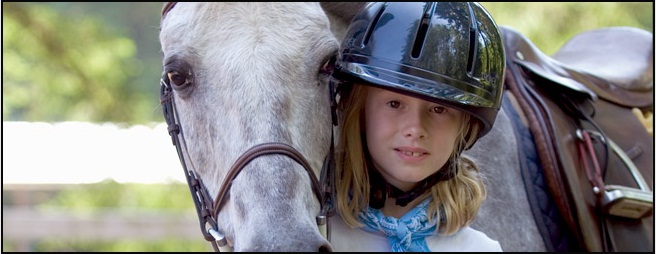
236, 76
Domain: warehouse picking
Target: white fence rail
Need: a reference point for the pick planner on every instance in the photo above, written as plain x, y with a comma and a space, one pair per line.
81, 152
25, 221
24, 225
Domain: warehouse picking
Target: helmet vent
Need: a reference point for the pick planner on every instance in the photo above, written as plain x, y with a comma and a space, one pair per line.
472, 51
473, 30
372, 24
423, 30
419, 40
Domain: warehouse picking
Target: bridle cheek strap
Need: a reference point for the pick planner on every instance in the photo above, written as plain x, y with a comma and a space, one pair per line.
199, 193
324, 193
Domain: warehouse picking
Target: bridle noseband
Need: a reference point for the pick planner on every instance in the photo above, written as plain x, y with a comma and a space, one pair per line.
256, 151
206, 209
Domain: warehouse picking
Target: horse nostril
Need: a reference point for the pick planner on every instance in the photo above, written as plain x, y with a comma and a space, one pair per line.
325, 248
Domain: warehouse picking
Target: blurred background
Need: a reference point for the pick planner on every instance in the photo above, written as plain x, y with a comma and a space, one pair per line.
87, 162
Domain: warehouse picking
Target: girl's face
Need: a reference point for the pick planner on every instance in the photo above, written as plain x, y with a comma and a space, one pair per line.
408, 138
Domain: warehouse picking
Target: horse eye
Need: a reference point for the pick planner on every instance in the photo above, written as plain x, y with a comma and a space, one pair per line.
179, 73
328, 66
179, 80
176, 79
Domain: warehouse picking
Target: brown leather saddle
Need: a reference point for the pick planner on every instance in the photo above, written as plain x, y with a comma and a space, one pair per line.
596, 156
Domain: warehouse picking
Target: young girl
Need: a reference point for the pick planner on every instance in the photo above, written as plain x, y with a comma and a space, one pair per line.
419, 83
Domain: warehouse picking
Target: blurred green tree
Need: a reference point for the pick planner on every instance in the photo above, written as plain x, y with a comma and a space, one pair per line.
99, 62
550, 24
62, 68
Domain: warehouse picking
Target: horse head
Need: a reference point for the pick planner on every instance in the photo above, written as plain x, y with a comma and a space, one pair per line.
237, 75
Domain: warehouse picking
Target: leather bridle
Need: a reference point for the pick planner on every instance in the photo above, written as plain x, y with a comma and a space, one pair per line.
206, 209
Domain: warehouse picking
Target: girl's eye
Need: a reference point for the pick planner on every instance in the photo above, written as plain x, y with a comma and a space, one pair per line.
394, 104
438, 109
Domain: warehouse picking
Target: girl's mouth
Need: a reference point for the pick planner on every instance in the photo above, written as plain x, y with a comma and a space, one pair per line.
408, 153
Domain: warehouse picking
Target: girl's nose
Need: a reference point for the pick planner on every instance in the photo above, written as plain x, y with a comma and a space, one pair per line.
414, 126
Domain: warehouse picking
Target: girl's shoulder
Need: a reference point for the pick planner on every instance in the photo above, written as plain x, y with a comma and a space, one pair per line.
466, 239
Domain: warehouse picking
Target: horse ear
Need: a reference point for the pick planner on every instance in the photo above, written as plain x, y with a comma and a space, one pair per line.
167, 7
341, 14
343, 10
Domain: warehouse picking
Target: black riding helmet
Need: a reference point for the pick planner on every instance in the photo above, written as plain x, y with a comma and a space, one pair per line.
446, 52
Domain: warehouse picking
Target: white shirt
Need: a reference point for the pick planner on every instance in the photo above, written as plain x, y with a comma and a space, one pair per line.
345, 239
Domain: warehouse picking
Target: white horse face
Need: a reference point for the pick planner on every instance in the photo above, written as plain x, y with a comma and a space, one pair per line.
254, 72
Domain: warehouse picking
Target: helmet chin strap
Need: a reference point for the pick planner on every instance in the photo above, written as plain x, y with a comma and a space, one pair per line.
381, 189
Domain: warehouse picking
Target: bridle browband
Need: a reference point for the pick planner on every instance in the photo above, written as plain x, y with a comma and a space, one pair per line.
208, 210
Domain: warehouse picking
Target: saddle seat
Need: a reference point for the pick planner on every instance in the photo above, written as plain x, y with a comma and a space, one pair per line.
591, 83
614, 63
629, 54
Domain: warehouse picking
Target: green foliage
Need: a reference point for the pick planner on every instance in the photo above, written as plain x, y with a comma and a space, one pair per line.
164, 245
99, 62
110, 194
62, 68
549, 25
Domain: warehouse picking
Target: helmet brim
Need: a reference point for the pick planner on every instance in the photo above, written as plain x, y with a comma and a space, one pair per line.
425, 89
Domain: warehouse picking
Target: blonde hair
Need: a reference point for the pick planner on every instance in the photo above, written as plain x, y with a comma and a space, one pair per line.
460, 197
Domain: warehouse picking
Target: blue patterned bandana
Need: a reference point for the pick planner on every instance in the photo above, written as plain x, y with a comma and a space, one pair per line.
405, 234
